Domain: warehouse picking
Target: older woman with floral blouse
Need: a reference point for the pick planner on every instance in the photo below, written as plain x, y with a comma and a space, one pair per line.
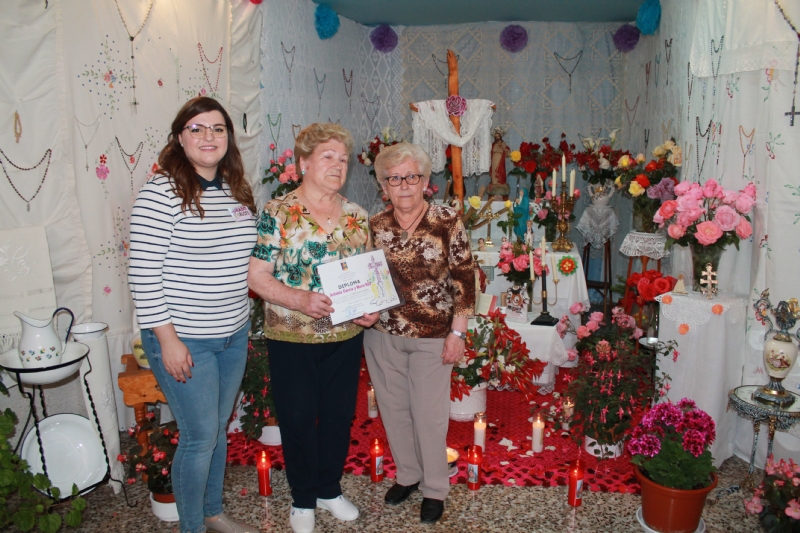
411, 350
314, 364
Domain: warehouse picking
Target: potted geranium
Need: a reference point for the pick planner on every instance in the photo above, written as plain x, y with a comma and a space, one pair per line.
282, 170
154, 463
777, 500
597, 163
258, 421
613, 381
707, 218
494, 355
670, 448
651, 184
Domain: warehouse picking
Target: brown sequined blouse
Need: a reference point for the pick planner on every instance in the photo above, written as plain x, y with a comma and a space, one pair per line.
433, 270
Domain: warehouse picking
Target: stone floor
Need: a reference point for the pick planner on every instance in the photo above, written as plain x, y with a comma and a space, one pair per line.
490, 509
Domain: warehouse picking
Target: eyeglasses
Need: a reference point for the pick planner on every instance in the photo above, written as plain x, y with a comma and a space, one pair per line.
198, 131
411, 179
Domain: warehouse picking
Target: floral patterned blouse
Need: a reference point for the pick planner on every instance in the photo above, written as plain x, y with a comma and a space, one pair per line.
289, 238
433, 270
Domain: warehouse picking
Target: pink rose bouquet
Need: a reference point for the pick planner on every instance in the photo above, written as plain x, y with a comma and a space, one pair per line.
283, 170
515, 262
670, 445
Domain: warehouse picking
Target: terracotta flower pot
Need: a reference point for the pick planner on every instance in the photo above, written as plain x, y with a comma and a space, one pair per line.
672, 510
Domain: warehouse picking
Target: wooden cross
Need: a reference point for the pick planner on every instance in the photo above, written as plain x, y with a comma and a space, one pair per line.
791, 114
708, 280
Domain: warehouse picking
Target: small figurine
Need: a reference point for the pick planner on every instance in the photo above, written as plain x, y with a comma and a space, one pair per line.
538, 187
680, 286
530, 238
504, 239
481, 244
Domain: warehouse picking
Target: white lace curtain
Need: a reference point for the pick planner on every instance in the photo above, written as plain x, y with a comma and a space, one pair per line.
433, 130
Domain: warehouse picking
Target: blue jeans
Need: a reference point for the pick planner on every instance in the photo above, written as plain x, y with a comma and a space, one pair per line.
202, 407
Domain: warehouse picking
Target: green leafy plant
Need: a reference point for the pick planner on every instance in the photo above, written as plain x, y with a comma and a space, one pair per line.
671, 443
777, 500
257, 402
155, 461
20, 503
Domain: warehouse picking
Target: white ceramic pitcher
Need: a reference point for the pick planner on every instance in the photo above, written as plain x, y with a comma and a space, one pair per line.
39, 345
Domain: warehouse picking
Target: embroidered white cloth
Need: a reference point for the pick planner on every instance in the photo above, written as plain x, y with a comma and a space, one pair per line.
756, 37
694, 309
433, 131
638, 244
598, 224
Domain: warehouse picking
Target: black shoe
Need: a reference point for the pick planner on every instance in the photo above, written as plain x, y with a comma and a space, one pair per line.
431, 510
399, 493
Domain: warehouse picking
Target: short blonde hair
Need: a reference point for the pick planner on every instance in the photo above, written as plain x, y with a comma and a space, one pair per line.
319, 133
391, 156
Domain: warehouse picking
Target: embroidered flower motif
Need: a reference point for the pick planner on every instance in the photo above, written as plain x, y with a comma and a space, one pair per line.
106, 290
103, 158
683, 329
717, 309
666, 299
101, 171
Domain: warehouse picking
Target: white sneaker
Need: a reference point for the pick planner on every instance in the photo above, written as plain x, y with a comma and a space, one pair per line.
301, 520
340, 507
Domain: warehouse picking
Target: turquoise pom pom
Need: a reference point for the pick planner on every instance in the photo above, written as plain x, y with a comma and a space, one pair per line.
326, 21
648, 17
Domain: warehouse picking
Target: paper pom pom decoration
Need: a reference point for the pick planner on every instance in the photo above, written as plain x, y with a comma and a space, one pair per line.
648, 17
514, 38
326, 21
626, 38
383, 38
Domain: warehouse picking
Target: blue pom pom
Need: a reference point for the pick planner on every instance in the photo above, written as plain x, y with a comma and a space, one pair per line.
326, 21
648, 17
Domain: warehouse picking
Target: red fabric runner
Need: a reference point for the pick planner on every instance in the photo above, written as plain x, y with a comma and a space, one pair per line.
507, 415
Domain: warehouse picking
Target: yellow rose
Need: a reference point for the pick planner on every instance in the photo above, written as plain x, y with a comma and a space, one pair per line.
640, 158
676, 156
475, 202
635, 189
516, 156
618, 182
668, 145
507, 204
624, 161
659, 151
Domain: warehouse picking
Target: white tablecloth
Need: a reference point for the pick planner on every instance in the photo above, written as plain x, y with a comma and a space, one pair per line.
571, 288
710, 360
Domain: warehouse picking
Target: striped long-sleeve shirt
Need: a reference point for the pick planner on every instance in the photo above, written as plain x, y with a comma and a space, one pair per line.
187, 270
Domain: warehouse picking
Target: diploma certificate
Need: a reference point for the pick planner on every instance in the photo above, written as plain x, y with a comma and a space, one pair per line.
358, 284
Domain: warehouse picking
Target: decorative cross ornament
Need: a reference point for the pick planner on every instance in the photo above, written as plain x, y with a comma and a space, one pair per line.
710, 282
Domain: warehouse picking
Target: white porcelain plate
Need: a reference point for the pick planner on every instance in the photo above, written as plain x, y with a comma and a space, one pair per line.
701, 527
70, 362
72, 450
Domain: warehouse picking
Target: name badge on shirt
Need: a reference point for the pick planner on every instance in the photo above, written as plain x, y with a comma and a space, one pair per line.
240, 213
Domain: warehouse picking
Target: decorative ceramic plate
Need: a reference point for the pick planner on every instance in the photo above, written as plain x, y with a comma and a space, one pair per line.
701, 528
72, 450
70, 362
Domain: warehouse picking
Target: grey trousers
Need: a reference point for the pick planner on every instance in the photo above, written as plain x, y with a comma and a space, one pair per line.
412, 387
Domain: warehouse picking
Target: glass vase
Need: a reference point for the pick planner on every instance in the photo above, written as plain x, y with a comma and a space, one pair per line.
644, 209
701, 256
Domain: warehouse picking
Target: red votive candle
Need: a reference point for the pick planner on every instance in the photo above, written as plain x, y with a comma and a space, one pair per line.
376, 460
575, 494
264, 467
474, 460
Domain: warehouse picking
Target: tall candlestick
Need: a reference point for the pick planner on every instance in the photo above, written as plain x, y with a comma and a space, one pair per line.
553, 185
544, 247
480, 430
571, 182
538, 435
563, 168
555, 270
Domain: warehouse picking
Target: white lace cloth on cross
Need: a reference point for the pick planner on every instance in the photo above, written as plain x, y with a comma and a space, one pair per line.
598, 224
695, 310
638, 244
433, 131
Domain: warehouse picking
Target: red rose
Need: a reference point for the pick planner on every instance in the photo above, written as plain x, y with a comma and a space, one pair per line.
644, 282
672, 281
651, 166
529, 166
642, 180
649, 293
634, 279
652, 275
662, 285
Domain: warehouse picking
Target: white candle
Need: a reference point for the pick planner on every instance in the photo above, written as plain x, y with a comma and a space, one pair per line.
569, 409
480, 431
553, 184
530, 258
372, 404
555, 270
571, 182
563, 169
538, 435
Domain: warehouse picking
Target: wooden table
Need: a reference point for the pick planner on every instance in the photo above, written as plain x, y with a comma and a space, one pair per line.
139, 387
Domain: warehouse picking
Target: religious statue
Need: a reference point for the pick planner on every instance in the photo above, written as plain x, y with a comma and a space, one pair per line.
481, 244
530, 238
522, 213
538, 187
500, 152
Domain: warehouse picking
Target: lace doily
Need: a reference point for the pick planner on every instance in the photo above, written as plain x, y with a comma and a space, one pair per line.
644, 244
696, 310
433, 131
598, 224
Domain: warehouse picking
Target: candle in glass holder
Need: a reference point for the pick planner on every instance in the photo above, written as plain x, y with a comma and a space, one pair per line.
264, 468
568, 411
372, 403
575, 491
376, 460
538, 435
480, 430
474, 460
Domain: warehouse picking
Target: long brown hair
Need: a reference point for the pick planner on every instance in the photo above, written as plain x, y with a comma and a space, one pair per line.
174, 163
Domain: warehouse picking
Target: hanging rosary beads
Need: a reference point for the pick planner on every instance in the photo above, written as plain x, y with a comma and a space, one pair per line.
47, 155
134, 103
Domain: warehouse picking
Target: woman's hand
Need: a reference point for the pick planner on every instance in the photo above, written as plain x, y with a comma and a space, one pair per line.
174, 354
367, 320
453, 349
313, 304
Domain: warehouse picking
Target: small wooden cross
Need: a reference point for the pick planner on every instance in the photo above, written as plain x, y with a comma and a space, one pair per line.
708, 279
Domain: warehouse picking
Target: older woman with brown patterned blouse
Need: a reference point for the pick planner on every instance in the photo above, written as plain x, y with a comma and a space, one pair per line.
411, 350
